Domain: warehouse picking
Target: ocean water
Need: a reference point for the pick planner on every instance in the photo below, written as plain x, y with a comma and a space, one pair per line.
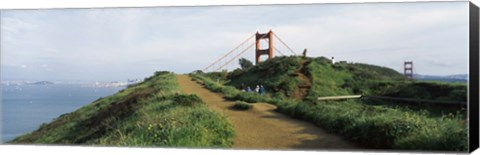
25, 107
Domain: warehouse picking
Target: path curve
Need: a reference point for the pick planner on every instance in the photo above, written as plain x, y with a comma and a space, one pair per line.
263, 128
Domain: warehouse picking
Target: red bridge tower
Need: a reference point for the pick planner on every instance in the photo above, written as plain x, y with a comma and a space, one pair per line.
267, 51
408, 69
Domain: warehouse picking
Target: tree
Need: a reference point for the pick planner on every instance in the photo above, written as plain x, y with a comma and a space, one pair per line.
245, 63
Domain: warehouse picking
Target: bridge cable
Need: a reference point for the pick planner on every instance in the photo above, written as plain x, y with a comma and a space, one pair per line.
263, 36
284, 44
278, 51
235, 57
231, 51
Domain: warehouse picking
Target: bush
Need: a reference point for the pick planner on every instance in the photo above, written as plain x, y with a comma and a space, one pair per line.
187, 100
158, 73
245, 63
381, 127
240, 105
229, 91
450, 135
249, 97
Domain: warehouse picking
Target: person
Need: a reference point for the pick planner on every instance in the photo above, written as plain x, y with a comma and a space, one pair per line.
248, 89
257, 89
304, 53
262, 90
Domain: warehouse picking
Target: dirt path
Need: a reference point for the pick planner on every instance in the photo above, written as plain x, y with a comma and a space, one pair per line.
305, 83
263, 128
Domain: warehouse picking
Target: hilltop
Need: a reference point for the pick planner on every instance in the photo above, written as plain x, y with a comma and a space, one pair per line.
294, 83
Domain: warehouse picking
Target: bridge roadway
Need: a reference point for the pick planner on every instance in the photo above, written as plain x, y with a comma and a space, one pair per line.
263, 128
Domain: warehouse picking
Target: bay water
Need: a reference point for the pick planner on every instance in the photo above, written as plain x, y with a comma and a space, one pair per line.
25, 107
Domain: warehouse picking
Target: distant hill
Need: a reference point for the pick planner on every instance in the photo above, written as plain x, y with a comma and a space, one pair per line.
42, 83
448, 78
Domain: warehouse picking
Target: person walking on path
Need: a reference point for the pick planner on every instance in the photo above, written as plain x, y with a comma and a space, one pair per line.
248, 89
257, 89
262, 90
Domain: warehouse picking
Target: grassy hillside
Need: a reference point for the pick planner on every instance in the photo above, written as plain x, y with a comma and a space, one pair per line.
282, 76
277, 75
151, 113
363, 121
345, 78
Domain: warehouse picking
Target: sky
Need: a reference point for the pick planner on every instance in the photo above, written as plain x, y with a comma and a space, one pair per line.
116, 44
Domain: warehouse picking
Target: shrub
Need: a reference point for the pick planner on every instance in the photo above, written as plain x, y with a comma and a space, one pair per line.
450, 135
245, 63
187, 100
240, 105
158, 73
249, 97
383, 128
229, 91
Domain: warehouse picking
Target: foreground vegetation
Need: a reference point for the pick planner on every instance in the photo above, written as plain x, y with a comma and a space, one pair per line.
371, 124
240, 105
151, 113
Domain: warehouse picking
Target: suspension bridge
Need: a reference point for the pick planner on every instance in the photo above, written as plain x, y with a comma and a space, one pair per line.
266, 44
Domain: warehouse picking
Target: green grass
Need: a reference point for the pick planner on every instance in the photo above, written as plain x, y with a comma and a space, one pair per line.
174, 125
348, 78
327, 80
428, 90
369, 124
383, 127
151, 113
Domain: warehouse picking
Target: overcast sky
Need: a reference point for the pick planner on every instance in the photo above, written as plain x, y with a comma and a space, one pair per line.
122, 43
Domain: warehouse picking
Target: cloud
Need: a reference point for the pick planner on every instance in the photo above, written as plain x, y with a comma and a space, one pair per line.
123, 43
14, 25
386, 35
